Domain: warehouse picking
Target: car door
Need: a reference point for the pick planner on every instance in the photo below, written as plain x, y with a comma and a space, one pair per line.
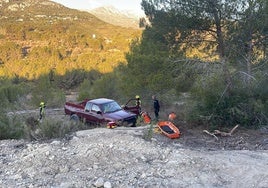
91, 114
96, 114
131, 106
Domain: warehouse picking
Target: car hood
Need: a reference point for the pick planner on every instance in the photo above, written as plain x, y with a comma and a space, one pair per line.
118, 115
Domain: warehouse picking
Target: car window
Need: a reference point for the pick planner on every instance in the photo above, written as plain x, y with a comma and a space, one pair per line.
88, 107
95, 108
111, 107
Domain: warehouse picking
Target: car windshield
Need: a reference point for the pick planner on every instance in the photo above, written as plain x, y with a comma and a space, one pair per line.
111, 107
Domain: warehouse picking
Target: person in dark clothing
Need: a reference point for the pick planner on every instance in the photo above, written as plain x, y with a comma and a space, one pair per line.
156, 107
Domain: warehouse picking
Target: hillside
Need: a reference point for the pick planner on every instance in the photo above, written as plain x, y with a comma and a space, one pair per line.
115, 17
39, 35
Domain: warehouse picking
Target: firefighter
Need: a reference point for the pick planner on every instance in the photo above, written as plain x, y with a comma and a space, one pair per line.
138, 103
42, 107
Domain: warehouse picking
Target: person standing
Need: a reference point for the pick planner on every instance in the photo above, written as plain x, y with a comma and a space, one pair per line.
156, 107
138, 103
42, 110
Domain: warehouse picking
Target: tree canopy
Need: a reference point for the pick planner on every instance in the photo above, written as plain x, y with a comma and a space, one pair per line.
225, 42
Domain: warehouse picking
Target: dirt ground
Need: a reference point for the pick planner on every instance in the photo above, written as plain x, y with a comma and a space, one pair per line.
241, 139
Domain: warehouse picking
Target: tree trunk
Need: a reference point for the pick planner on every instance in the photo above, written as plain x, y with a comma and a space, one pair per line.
221, 50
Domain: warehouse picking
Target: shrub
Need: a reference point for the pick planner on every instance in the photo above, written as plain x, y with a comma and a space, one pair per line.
246, 105
71, 79
10, 128
106, 86
85, 90
9, 93
47, 92
51, 128
148, 133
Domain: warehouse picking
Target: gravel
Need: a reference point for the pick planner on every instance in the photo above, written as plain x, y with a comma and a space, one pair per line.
123, 158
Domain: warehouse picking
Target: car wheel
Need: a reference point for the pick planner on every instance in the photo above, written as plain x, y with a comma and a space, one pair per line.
125, 124
134, 124
74, 118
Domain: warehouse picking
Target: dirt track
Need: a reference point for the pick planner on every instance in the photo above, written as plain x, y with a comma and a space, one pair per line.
241, 139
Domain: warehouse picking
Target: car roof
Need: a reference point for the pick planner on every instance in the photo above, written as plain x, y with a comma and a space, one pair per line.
101, 100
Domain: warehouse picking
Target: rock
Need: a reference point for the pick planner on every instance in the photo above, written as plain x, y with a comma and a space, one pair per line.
99, 182
107, 184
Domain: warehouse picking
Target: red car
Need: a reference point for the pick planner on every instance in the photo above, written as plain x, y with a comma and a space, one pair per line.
100, 111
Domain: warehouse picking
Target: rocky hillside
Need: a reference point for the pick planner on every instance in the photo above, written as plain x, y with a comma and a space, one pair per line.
113, 16
121, 157
30, 9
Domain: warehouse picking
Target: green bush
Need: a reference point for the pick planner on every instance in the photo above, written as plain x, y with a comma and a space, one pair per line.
10, 128
106, 86
10, 93
148, 133
85, 90
52, 128
245, 105
71, 79
47, 92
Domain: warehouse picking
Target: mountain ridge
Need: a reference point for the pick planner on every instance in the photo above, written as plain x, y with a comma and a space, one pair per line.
117, 17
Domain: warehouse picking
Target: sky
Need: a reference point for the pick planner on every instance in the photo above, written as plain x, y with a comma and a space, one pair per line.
133, 5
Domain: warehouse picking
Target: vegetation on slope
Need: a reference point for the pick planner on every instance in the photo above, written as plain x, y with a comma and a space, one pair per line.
225, 86
39, 36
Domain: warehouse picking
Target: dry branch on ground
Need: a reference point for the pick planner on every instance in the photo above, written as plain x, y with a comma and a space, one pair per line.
221, 133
